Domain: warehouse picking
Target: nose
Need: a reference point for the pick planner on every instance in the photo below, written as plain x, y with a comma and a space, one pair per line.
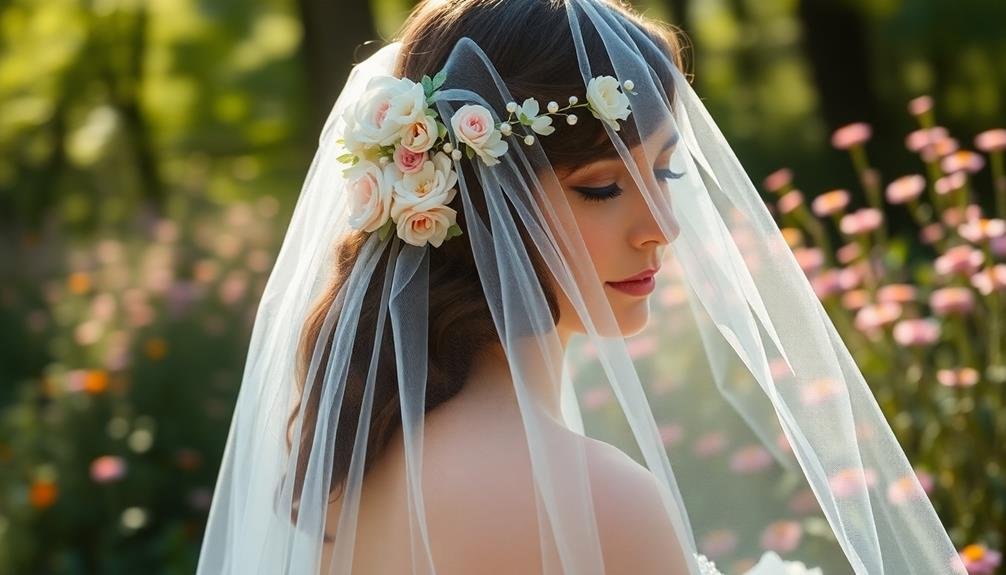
654, 227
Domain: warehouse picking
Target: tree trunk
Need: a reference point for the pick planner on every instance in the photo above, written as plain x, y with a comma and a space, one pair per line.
333, 29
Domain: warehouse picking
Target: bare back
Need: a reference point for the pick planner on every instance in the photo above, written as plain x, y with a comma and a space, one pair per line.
479, 499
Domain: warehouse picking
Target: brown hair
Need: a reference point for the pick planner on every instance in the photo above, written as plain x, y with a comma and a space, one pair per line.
531, 46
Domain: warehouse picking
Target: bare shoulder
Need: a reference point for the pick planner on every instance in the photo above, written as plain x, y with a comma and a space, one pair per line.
636, 534
481, 497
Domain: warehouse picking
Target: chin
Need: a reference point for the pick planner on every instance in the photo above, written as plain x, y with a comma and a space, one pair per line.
634, 319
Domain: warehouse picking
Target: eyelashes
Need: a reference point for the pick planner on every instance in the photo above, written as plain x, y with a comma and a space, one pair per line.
613, 191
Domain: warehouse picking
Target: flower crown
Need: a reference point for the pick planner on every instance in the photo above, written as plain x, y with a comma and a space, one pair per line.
401, 170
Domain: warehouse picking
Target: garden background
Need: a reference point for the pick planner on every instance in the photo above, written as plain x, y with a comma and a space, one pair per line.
151, 152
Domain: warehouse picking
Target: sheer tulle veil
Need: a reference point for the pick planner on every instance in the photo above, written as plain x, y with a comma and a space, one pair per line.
737, 397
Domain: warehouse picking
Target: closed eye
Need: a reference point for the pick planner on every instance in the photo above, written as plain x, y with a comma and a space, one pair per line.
665, 174
600, 194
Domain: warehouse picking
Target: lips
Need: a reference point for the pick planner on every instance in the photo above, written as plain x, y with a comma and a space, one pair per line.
640, 284
641, 275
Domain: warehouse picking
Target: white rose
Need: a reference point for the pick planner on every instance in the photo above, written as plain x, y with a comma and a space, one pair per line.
386, 105
370, 194
419, 227
420, 136
771, 564
473, 125
431, 186
607, 102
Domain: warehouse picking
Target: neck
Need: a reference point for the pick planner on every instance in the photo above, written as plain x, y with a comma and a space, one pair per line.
492, 380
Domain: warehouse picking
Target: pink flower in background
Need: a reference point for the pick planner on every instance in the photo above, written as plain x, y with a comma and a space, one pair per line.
917, 332
750, 459
982, 229
926, 479
597, 397
998, 246
851, 135
938, 149
826, 284
793, 236
953, 217
778, 179
791, 201
874, 316
804, 502
921, 138
710, 444
980, 560
990, 280
848, 253
862, 221
854, 300
717, 543
670, 433
818, 391
830, 203
959, 260
783, 443
952, 300
920, 105
851, 277
782, 536
108, 468
905, 189
810, 259
948, 184
960, 377
931, 233
778, 368
991, 141
962, 161
905, 489
851, 481
897, 293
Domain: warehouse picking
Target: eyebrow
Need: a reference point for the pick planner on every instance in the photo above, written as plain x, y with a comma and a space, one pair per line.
613, 154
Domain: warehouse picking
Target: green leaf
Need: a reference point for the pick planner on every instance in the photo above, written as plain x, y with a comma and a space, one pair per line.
523, 119
439, 78
384, 230
432, 113
441, 130
427, 86
453, 232
469, 152
347, 158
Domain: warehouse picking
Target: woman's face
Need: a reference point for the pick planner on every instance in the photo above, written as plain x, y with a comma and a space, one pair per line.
620, 231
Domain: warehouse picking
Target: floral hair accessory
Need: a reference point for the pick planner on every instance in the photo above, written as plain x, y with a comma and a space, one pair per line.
402, 172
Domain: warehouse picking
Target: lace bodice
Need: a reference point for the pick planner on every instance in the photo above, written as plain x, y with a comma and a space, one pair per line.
706, 566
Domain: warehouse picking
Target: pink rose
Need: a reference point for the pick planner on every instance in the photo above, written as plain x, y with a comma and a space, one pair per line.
474, 125
409, 162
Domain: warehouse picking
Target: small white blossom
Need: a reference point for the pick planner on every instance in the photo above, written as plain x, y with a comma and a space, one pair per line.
553, 107
571, 119
529, 139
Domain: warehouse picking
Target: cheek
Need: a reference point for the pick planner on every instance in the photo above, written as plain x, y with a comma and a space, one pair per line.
599, 227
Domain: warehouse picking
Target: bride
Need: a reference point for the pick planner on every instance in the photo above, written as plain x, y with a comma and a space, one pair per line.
523, 264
